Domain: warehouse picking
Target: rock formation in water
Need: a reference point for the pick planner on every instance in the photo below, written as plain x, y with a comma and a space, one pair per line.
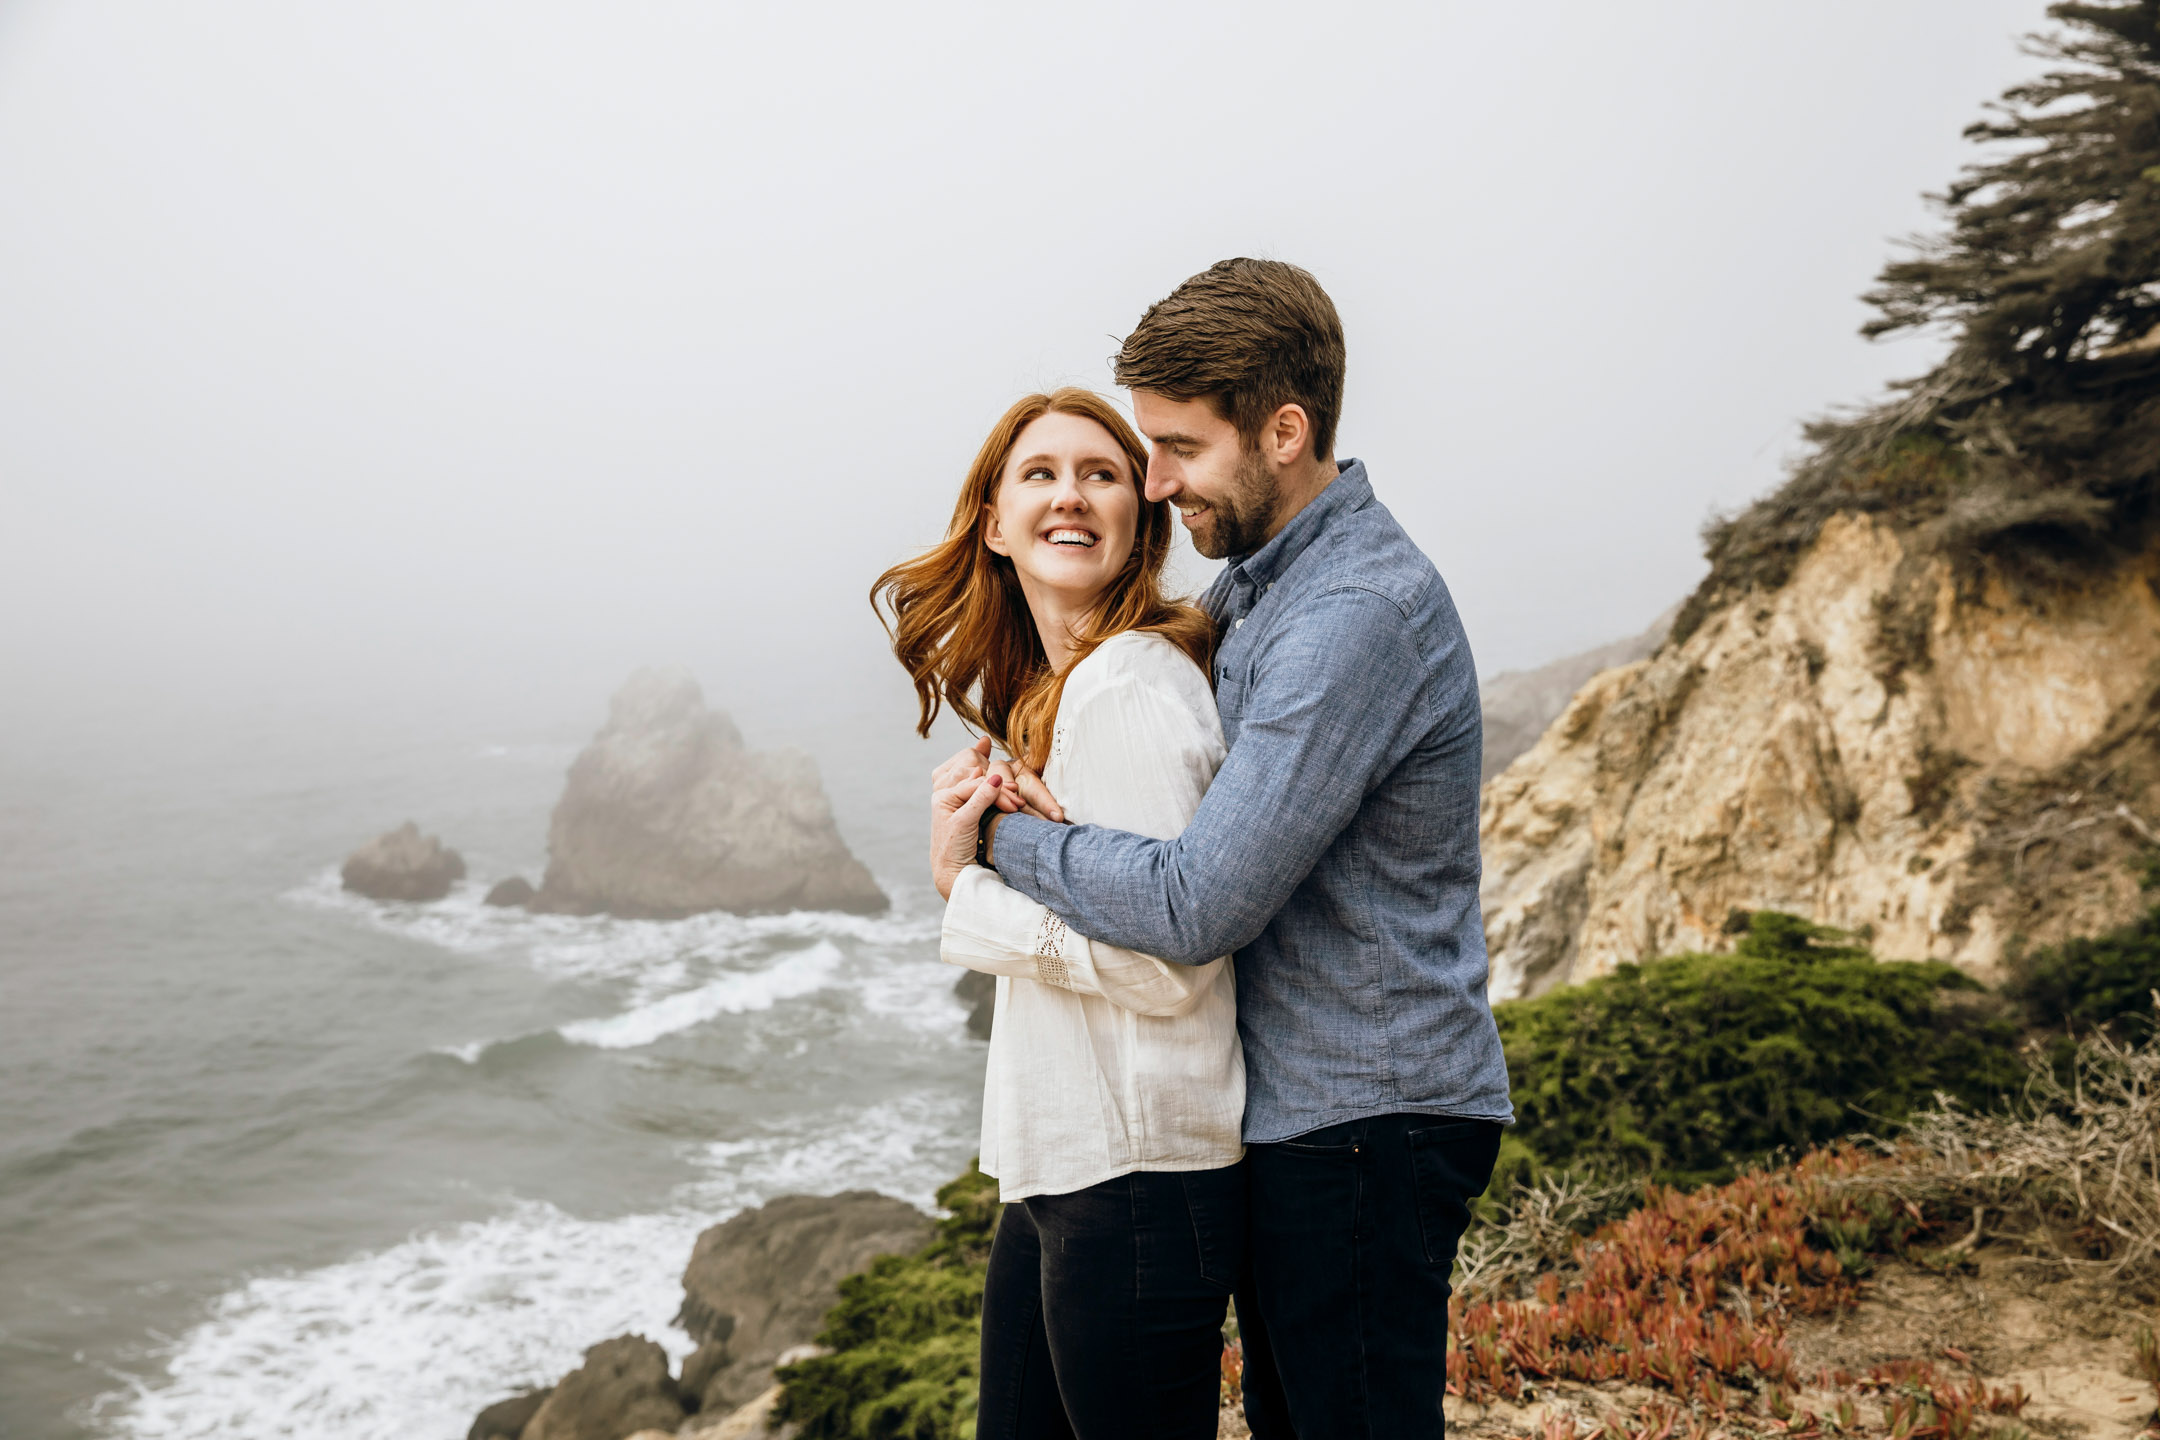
1520, 705
623, 1386
1937, 759
755, 1293
760, 1284
667, 814
507, 1419
403, 865
978, 992
515, 891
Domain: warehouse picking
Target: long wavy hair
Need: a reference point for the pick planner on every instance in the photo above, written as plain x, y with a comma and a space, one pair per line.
961, 626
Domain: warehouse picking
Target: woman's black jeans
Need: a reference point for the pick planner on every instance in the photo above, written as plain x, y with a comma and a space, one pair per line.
1103, 1309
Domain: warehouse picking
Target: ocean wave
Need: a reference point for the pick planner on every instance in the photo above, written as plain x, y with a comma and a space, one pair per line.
654, 953
412, 1340
796, 974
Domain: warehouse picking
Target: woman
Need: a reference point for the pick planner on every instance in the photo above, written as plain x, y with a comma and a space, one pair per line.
1115, 1085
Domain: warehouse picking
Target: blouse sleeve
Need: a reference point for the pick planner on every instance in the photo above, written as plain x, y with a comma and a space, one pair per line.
1144, 759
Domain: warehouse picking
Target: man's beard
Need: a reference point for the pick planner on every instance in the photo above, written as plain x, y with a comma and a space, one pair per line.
1245, 515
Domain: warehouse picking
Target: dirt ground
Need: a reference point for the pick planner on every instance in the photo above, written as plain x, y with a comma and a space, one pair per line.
2002, 1318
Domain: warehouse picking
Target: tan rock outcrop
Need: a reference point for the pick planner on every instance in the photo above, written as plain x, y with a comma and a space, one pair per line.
1934, 792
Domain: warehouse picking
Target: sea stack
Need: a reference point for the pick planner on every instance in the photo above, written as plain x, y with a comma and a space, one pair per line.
403, 865
667, 813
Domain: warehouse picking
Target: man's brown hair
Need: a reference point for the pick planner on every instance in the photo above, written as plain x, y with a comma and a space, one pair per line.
1251, 336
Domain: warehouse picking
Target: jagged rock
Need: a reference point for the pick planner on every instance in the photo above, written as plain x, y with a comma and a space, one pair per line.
667, 814
623, 1387
978, 992
761, 1283
507, 1419
1985, 768
516, 890
1520, 705
403, 865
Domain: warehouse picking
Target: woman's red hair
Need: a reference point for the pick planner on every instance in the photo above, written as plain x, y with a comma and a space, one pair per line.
961, 627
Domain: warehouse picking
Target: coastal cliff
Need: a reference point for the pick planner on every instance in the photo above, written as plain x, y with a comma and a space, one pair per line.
1883, 742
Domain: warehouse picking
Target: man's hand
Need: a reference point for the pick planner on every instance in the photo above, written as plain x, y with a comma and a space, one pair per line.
955, 813
1020, 789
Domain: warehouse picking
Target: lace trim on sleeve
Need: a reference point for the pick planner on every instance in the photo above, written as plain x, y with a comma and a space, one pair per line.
1050, 953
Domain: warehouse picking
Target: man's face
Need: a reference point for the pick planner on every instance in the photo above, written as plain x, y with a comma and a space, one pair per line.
1196, 461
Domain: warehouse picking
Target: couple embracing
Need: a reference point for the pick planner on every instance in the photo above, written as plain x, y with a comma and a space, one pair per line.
1226, 874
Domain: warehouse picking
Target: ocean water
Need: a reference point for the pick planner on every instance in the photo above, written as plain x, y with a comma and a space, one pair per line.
276, 1160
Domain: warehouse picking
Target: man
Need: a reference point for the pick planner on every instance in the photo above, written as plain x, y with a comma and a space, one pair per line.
1336, 855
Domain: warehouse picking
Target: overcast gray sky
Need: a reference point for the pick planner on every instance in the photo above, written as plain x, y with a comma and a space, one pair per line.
398, 346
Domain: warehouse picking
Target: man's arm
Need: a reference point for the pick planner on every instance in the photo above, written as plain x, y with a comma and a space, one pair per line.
1330, 713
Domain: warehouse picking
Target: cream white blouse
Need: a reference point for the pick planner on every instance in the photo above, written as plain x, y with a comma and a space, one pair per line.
1103, 1060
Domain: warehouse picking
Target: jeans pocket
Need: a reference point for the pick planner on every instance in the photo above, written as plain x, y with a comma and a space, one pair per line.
1327, 1140
1450, 1165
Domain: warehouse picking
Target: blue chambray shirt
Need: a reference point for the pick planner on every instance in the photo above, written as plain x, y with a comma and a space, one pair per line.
1337, 851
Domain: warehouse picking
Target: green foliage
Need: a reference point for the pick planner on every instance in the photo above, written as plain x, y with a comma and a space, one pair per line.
904, 1336
1687, 1067
2106, 980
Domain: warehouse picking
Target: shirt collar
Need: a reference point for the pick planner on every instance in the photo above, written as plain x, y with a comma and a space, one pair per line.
1346, 492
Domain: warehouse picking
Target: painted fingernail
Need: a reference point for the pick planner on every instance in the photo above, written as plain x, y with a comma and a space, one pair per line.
997, 780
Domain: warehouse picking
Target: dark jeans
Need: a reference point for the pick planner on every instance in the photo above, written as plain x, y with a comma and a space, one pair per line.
1103, 1309
1343, 1309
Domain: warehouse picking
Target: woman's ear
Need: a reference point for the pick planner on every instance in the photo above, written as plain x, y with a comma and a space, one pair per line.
994, 533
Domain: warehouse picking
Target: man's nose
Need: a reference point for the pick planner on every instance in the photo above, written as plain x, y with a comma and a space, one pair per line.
1162, 482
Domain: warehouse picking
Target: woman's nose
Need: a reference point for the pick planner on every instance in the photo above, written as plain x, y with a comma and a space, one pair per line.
1069, 496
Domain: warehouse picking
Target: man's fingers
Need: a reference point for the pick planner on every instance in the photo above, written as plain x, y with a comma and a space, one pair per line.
1037, 795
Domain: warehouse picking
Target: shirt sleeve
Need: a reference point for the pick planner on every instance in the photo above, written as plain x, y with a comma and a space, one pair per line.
1331, 710
1147, 760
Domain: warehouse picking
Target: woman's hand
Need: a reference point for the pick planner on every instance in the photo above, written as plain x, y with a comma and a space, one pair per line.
1020, 789
955, 814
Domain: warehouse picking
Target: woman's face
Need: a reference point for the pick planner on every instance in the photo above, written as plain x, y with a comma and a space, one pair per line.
1066, 511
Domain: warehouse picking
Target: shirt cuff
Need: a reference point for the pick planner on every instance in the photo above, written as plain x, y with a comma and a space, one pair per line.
1017, 849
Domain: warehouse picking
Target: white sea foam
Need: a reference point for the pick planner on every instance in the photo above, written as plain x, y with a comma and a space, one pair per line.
653, 953
412, 1340
796, 974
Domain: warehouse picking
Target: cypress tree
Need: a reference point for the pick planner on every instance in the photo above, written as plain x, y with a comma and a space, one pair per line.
2036, 441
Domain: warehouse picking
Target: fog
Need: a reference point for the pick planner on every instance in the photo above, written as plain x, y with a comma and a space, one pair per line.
426, 350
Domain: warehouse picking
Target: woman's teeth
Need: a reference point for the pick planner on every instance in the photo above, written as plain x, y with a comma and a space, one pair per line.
1072, 537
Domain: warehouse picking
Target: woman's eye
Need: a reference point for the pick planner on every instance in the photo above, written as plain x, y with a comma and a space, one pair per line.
1038, 473
1108, 477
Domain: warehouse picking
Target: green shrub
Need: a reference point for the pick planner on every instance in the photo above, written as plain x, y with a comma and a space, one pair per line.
904, 1336
2106, 981
1687, 1067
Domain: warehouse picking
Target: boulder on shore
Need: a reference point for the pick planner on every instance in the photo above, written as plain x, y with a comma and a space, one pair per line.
403, 865
507, 1419
761, 1283
667, 813
623, 1386
516, 890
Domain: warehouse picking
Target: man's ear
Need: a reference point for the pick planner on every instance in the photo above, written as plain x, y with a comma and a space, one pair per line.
1289, 436
994, 533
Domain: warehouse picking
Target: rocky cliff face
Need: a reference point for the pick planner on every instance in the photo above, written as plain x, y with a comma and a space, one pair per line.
668, 814
1520, 705
1940, 762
